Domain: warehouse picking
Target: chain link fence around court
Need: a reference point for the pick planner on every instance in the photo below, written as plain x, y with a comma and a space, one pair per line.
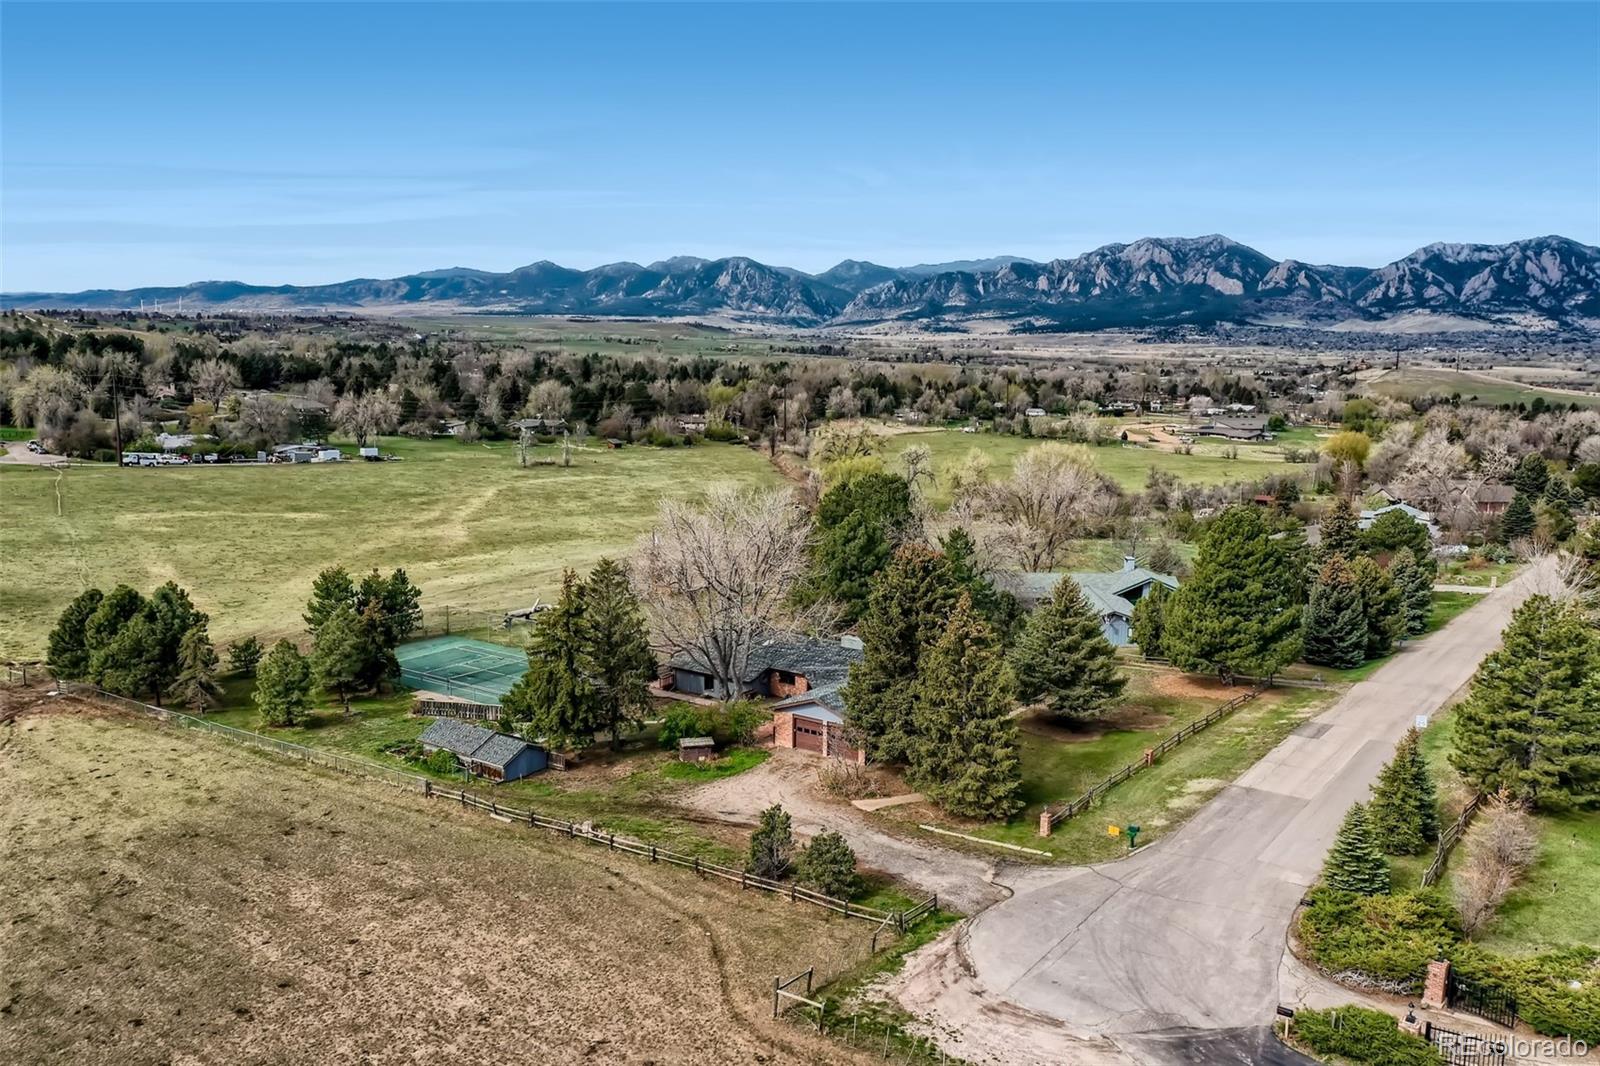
461, 667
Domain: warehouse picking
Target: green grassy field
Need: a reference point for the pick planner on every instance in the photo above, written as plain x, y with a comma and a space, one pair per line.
1554, 904
467, 523
1411, 382
1478, 572
1060, 764
1129, 464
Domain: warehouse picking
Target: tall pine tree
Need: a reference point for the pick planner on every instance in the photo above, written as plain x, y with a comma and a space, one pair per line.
906, 612
998, 607
964, 756
197, 671
1404, 808
618, 649
1356, 862
1531, 722
557, 696
68, 655
1416, 590
283, 685
1064, 658
1381, 606
1239, 612
1150, 621
859, 522
1340, 532
340, 653
1335, 627
1519, 520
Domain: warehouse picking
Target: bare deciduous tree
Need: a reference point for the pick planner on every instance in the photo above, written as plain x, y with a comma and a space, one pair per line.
214, 380
1053, 489
366, 415
718, 577
1500, 847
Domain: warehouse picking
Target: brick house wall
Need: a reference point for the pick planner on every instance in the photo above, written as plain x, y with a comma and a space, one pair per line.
783, 729
781, 689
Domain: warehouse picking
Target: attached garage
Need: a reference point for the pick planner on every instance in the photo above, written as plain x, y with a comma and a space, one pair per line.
814, 722
810, 734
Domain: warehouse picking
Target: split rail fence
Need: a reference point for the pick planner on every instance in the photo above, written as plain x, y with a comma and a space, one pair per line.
1051, 817
1447, 841
901, 920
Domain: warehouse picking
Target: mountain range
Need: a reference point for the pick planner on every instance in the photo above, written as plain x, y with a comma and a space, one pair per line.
1152, 281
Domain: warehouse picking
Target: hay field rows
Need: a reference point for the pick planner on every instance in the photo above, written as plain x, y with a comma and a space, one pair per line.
469, 525
171, 899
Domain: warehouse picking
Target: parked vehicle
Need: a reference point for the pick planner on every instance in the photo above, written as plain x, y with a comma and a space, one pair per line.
35, 447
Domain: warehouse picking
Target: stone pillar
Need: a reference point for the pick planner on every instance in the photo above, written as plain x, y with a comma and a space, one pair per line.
1149, 756
1044, 823
1435, 986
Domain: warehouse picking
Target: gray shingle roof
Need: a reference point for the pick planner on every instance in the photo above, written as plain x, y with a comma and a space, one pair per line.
831, 697
823, 661
1104, 591
473, 742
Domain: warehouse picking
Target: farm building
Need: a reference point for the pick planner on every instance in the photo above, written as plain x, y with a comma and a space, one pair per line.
485, 753
814, 721
548, 427
783, 665
1111, 594
1236, 427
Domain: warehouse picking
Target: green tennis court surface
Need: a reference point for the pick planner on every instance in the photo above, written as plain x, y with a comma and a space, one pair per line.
457, 666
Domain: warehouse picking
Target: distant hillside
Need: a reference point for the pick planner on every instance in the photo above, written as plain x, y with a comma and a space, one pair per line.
1152, 281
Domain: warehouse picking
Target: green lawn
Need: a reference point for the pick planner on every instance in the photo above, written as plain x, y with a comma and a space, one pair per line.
1479, 572
1129, 464
1474, 389
469, 525
624, 792
1555, 904
1056, 766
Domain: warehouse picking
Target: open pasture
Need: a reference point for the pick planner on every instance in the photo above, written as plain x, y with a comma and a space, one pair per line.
1483, 389
467, 523
173, 899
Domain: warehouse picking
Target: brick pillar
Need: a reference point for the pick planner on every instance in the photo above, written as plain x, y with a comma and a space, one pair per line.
1435, 985
1149, 756
1044, 823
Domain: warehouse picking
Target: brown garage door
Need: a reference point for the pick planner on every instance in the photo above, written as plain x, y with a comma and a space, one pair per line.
808, 734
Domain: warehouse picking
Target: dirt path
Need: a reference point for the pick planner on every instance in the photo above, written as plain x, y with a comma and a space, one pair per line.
790, 778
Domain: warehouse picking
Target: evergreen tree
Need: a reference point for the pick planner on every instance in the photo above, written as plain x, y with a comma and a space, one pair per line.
906, 612
1064, 657
68, 654
130, 664
1403, 812
172, 615
1150, 621
1416, 591
1335, 627
998, 607
1519, 520
1381, 606
1341, 534
617, 647
393, 604
283, 685
859, 522
341, 653
771, 844
828, 864
964, 756
1531, 722
1531, 475
245, 655
329, 590
1395, 530
197, 671
1239, 612
117, 608
1356, 862
557, 696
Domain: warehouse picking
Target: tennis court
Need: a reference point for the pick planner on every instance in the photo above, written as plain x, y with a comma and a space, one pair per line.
457, 666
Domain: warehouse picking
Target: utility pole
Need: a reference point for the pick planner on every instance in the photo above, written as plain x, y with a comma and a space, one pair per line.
116, 410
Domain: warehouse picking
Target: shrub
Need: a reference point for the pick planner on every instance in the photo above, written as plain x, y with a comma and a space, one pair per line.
734, 724
772, 844
1360, 1035
829, 866
1389, 938
244, 655
442, 762
1500, 847
1542, 986
685, 720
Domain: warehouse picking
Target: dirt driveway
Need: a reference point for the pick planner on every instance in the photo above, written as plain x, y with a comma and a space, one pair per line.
17, 452
790, 778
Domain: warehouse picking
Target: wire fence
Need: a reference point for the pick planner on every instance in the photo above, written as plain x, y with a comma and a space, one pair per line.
1051, 817
901, 920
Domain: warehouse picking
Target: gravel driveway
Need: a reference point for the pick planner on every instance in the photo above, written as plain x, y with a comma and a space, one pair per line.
790, 778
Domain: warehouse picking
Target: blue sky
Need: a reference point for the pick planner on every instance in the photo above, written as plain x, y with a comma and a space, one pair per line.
300, 143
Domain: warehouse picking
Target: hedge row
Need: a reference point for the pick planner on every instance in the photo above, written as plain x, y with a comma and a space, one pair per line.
1359, 1035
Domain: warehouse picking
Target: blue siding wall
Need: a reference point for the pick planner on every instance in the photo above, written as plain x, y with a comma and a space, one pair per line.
530, 761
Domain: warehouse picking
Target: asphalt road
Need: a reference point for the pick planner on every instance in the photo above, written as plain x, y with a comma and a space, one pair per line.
1173, 952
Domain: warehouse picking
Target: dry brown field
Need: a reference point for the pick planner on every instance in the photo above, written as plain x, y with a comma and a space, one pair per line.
171, 899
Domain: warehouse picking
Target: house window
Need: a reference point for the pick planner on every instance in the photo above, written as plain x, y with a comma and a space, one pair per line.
785, 677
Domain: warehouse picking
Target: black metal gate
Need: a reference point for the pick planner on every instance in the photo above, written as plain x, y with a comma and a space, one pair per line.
1465, 1049
1497, 1006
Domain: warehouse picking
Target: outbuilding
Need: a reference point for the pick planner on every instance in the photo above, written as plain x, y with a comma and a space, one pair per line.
696, 749
484, 752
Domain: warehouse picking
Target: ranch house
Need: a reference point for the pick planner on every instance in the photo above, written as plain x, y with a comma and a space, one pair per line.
485, 753
1112, 594
781, 666
814, 721
1236, 427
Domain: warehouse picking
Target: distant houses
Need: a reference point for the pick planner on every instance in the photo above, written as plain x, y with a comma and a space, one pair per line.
1236, 427
544, 427
1112, 594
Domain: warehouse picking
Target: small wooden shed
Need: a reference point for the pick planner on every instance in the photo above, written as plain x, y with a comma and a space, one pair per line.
696, 749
